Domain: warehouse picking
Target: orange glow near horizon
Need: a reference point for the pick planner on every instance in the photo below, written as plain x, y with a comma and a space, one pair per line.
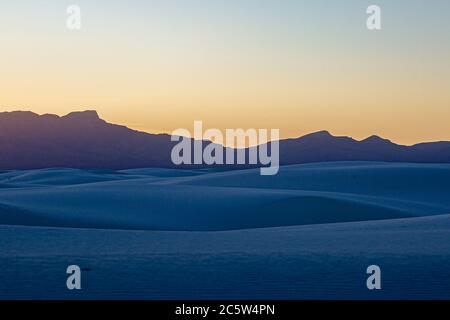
156, 67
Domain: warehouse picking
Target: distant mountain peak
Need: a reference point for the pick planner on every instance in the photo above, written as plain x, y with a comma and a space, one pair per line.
82, 115
319, 134
322, 133
19, 114
376, 139
323, 136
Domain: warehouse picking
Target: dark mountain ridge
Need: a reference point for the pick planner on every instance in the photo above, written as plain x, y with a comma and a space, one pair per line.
84, 140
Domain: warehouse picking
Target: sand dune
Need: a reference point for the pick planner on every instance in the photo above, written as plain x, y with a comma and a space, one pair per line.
309, 232
161, 199
326, 261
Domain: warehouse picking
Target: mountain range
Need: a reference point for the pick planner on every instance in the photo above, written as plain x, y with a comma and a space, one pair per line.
84, 140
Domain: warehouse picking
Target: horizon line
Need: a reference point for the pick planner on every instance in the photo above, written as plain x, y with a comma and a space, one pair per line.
149, 131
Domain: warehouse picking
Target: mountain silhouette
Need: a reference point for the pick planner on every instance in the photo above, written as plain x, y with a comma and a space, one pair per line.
84, 140
77, 140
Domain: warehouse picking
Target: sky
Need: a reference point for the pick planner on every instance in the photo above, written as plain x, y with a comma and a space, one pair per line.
299, 66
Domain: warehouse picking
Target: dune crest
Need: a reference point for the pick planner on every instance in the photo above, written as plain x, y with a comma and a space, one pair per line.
199, 200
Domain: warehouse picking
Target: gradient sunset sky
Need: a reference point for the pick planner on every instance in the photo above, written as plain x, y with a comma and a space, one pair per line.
300, 66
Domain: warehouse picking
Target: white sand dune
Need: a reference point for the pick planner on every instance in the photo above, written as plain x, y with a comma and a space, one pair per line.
325, 261
161, 199
309, 232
